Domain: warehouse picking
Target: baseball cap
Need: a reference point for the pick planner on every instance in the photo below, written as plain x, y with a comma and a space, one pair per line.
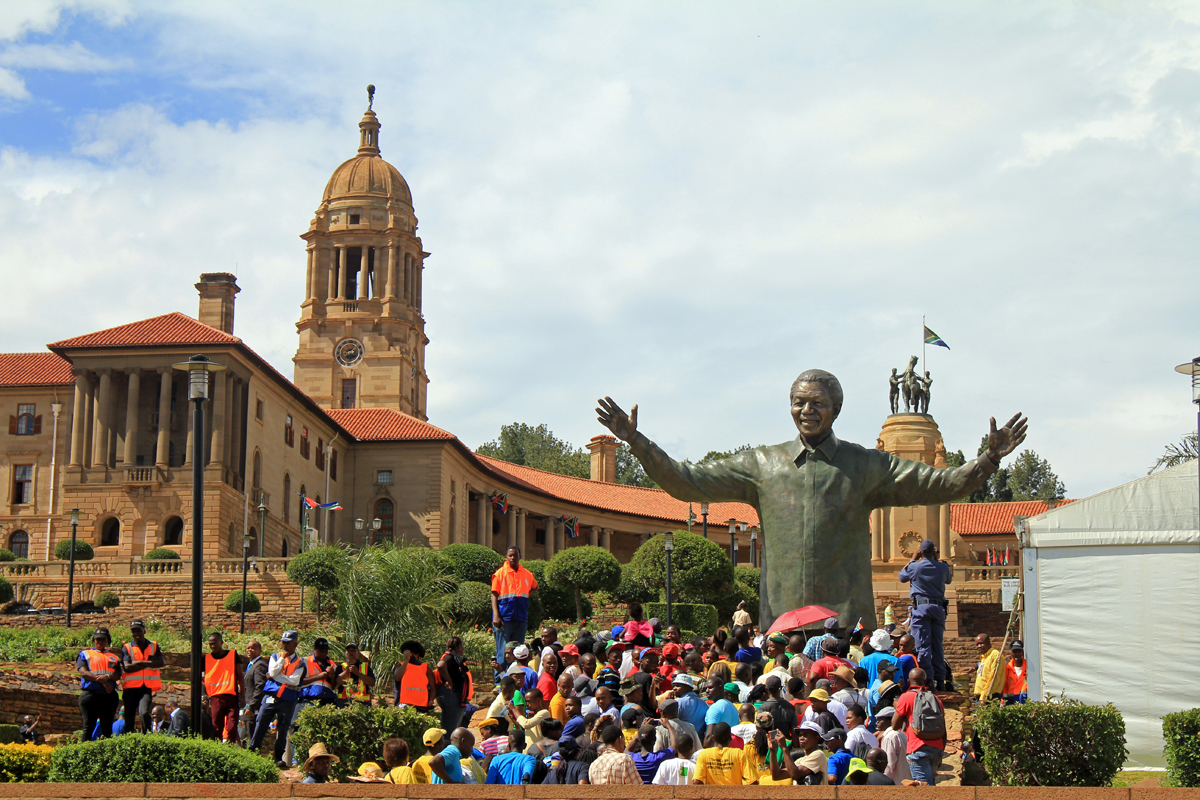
617, 630
136, 623
289, 636
927, 546
321, 643
101, 633
631, 712
885, 666
352, 646
521, 651
831, 624
490, 722
683, 680
886, 711
819, 694
670, 649
570, 650
614, 645
1017, 644
732, 687
777, 638
432, 736
835, 733
858, 765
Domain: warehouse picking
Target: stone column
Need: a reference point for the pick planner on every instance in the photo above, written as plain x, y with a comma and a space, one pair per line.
946, 545
521, 531
131, 418
162, 451
480, 517
341, 277
216, 453
417, 269
227, 437
331, 273
550, 534
79, 418
606, 539
486, 537
103, 420
89, 421
560, 535
363, 260
407, 270
391, 272
310, 281
511, 539
877, 535
594, 536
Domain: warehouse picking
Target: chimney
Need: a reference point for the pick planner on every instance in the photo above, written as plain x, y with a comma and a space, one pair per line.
217, 290
604, 458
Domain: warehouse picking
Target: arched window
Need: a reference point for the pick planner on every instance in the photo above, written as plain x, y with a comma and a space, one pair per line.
173, 531
257, 470
18, 543
235, 547
253, 542
283, 550
110, 532
384, 511
287, 492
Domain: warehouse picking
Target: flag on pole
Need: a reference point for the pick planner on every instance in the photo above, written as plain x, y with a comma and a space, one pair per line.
308, 501
933, 338
859, 626
500, 502
331, 506
570, 526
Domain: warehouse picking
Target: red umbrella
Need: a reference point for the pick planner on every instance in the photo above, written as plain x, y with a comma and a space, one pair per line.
800, 618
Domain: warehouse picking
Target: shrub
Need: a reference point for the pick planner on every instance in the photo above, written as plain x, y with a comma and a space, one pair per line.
700, 569
727, 602
83, 550
234, 602
698, 617
7, 555
471, 604
161, 554
6, 591
154, 758
1181, 738
24, 763
320, 602
555, 601
1057, 743
634, 588
584, 569
356, 733
317, 568
10, 734
107, 600
432, 559
473, 562
751, 576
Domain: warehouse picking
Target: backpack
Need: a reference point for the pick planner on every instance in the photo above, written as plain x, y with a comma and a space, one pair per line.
928, 719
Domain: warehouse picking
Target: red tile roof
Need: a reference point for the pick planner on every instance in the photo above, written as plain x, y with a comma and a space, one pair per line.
169, 329
34, 369
385, 424
982, 519
617, 497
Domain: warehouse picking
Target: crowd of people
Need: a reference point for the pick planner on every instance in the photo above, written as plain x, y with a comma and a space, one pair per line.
633, 704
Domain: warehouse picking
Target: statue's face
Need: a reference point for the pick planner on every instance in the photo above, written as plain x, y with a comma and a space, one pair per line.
812, 409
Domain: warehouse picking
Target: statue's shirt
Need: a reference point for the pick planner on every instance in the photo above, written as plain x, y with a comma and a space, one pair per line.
814, 503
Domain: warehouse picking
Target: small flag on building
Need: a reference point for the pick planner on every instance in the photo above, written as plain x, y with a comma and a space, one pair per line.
571, 526
331, 506
308, 501
500, 502
933, 338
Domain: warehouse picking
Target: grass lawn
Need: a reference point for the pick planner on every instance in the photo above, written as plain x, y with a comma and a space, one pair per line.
1130, 777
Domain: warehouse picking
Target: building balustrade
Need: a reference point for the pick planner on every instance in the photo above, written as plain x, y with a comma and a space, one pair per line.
133, 567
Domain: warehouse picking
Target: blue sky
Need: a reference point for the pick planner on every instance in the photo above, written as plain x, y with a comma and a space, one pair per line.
680, 205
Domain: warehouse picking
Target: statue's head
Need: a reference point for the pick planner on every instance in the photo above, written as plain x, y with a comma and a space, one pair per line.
816, 399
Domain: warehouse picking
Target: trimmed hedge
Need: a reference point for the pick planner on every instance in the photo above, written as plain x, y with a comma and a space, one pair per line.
1181, 739
234, 602
356, 733
554, 601
161, 554
10, 734
7, 555
698, 617
107, 600
700, 569
317, 568
155, 758
473, 562
1056, 743
24, 763
471, 604
83, 550
6, 591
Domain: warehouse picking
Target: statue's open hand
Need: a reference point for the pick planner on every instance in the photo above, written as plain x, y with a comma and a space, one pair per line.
1004, 441
611, 416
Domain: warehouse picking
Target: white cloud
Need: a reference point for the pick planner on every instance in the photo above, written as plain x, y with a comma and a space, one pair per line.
678, 209
66, 58
12, 86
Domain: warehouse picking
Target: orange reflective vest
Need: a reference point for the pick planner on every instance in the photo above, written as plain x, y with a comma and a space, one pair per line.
1014, 682
414, 685
147, 677
353, 689
220, 674
290, 665
102, 665
316, 688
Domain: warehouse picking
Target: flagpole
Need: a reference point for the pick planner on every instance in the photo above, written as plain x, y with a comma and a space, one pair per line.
922, 343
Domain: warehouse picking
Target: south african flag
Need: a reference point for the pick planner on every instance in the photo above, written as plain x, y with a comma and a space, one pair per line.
933, 338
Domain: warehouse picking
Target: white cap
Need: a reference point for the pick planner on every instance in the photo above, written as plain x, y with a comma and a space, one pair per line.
520, 651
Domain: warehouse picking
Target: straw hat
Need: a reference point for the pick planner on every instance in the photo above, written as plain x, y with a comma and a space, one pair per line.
318, 751
369, 772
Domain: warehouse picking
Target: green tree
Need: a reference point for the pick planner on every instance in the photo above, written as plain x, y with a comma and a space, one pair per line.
539, 448
629, 469
955, 459
700, 569
473, 562
1031, 478
1176, 454
717, 455
319, 569
584, 569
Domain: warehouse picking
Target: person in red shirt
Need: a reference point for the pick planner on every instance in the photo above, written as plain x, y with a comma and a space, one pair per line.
823, 667
924, 755
670, 661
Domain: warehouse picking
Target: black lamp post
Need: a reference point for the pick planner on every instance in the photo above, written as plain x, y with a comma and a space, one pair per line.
374, 526
704, 519
245, 575
71, 568
669, 547
1193, 368
262, 521
197, 368
733, 541
754, 547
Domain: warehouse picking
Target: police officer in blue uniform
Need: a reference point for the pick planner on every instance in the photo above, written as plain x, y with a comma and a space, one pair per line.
927, 577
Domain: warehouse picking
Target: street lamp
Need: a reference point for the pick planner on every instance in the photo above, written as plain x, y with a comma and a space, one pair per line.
704, 517
262, 520
733, 523
374, 525
669, 546
245, 574
1193, 368
754, 547
71, 569
197, 368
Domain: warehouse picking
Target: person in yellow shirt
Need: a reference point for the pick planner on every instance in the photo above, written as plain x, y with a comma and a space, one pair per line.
758, 748
395, 756
989, 675
723, 765
434, 741
558, 703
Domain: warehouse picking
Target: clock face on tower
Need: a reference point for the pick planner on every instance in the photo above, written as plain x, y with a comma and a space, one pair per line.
348, 352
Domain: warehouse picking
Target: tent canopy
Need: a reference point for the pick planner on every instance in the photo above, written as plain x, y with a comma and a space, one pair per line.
1112, 594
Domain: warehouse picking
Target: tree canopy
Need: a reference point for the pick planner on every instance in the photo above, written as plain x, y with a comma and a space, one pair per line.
584, 569
700, 568
538, 447
717, 455
1025, 476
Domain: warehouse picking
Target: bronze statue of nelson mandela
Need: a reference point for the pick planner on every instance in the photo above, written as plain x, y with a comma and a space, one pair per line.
814, 496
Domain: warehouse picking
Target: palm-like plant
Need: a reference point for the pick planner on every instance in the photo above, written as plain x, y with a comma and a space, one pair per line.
1176, 454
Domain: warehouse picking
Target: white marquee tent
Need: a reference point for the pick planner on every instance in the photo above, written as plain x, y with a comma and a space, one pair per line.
1112, 603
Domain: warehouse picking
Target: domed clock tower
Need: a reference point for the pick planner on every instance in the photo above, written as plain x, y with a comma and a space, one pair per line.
362, 336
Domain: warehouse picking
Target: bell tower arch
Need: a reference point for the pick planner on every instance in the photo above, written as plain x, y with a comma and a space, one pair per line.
362, 334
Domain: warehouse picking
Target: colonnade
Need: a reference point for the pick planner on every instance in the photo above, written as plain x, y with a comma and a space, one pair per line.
885, 533
101, 437
329, 273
